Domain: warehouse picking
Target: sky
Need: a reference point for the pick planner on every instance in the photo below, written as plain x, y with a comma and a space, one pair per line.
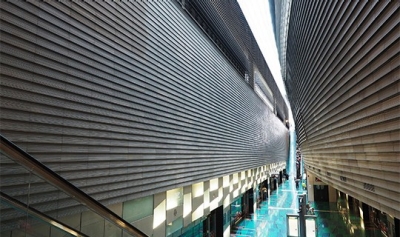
258, 16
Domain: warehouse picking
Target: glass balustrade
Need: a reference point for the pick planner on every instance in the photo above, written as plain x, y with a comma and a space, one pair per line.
31, 205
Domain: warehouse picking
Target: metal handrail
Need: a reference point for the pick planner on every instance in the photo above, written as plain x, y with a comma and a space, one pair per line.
30, 163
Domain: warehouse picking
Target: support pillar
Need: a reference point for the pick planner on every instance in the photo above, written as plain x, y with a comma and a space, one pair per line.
365, 209
302, 212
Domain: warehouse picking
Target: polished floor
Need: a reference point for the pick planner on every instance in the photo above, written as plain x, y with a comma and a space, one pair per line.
333, 219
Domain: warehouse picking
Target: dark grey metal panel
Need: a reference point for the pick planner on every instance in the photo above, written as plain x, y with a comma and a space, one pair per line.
126, 99
225, 24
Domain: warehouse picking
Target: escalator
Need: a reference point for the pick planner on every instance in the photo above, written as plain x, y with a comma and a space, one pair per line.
35, 201
18, 219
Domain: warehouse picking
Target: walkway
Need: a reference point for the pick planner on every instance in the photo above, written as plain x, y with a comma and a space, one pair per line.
270, 219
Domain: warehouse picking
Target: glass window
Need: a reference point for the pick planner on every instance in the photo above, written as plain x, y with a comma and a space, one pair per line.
137, 209
174, 198
92, 224
194, 229
236, 211
175, 226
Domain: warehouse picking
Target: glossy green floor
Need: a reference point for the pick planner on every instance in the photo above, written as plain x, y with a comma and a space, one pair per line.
333, 219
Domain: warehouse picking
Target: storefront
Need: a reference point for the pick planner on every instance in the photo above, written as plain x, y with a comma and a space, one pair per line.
383, 221
194, 229
251, 200
242, 207
236, 211
209, 226
262, 192
274, 181
213, 224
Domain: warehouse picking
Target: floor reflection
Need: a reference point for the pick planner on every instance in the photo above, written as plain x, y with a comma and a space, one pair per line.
333, 219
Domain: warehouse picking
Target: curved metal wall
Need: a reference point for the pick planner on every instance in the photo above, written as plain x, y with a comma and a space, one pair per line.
127, 99
228, 18
343, 83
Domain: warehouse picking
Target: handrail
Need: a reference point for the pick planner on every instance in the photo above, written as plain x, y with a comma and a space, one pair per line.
35, 213
36, 167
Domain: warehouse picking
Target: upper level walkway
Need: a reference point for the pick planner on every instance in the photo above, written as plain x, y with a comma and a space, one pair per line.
333, 219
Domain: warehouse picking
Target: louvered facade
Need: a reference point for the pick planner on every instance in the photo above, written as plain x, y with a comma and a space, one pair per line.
131, 99
342, 76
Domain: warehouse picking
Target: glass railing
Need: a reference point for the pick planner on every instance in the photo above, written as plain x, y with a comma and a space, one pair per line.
36, 201
19, 220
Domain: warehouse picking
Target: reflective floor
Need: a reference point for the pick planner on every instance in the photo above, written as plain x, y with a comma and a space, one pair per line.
333, 219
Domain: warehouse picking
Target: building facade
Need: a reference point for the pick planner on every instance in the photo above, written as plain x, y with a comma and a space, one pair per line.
163, 112
341, 71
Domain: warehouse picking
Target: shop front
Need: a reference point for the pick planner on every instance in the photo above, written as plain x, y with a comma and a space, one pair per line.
386, 223
213, 224
262, 192
274, 181
237, 211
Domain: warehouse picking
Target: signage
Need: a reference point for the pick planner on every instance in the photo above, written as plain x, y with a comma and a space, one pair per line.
311, 226
292, 225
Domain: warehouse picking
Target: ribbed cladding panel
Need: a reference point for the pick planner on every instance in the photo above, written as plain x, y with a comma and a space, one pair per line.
126, 99
227, 16
345, 68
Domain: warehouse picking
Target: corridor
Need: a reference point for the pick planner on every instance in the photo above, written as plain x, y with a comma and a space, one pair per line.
333, 219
